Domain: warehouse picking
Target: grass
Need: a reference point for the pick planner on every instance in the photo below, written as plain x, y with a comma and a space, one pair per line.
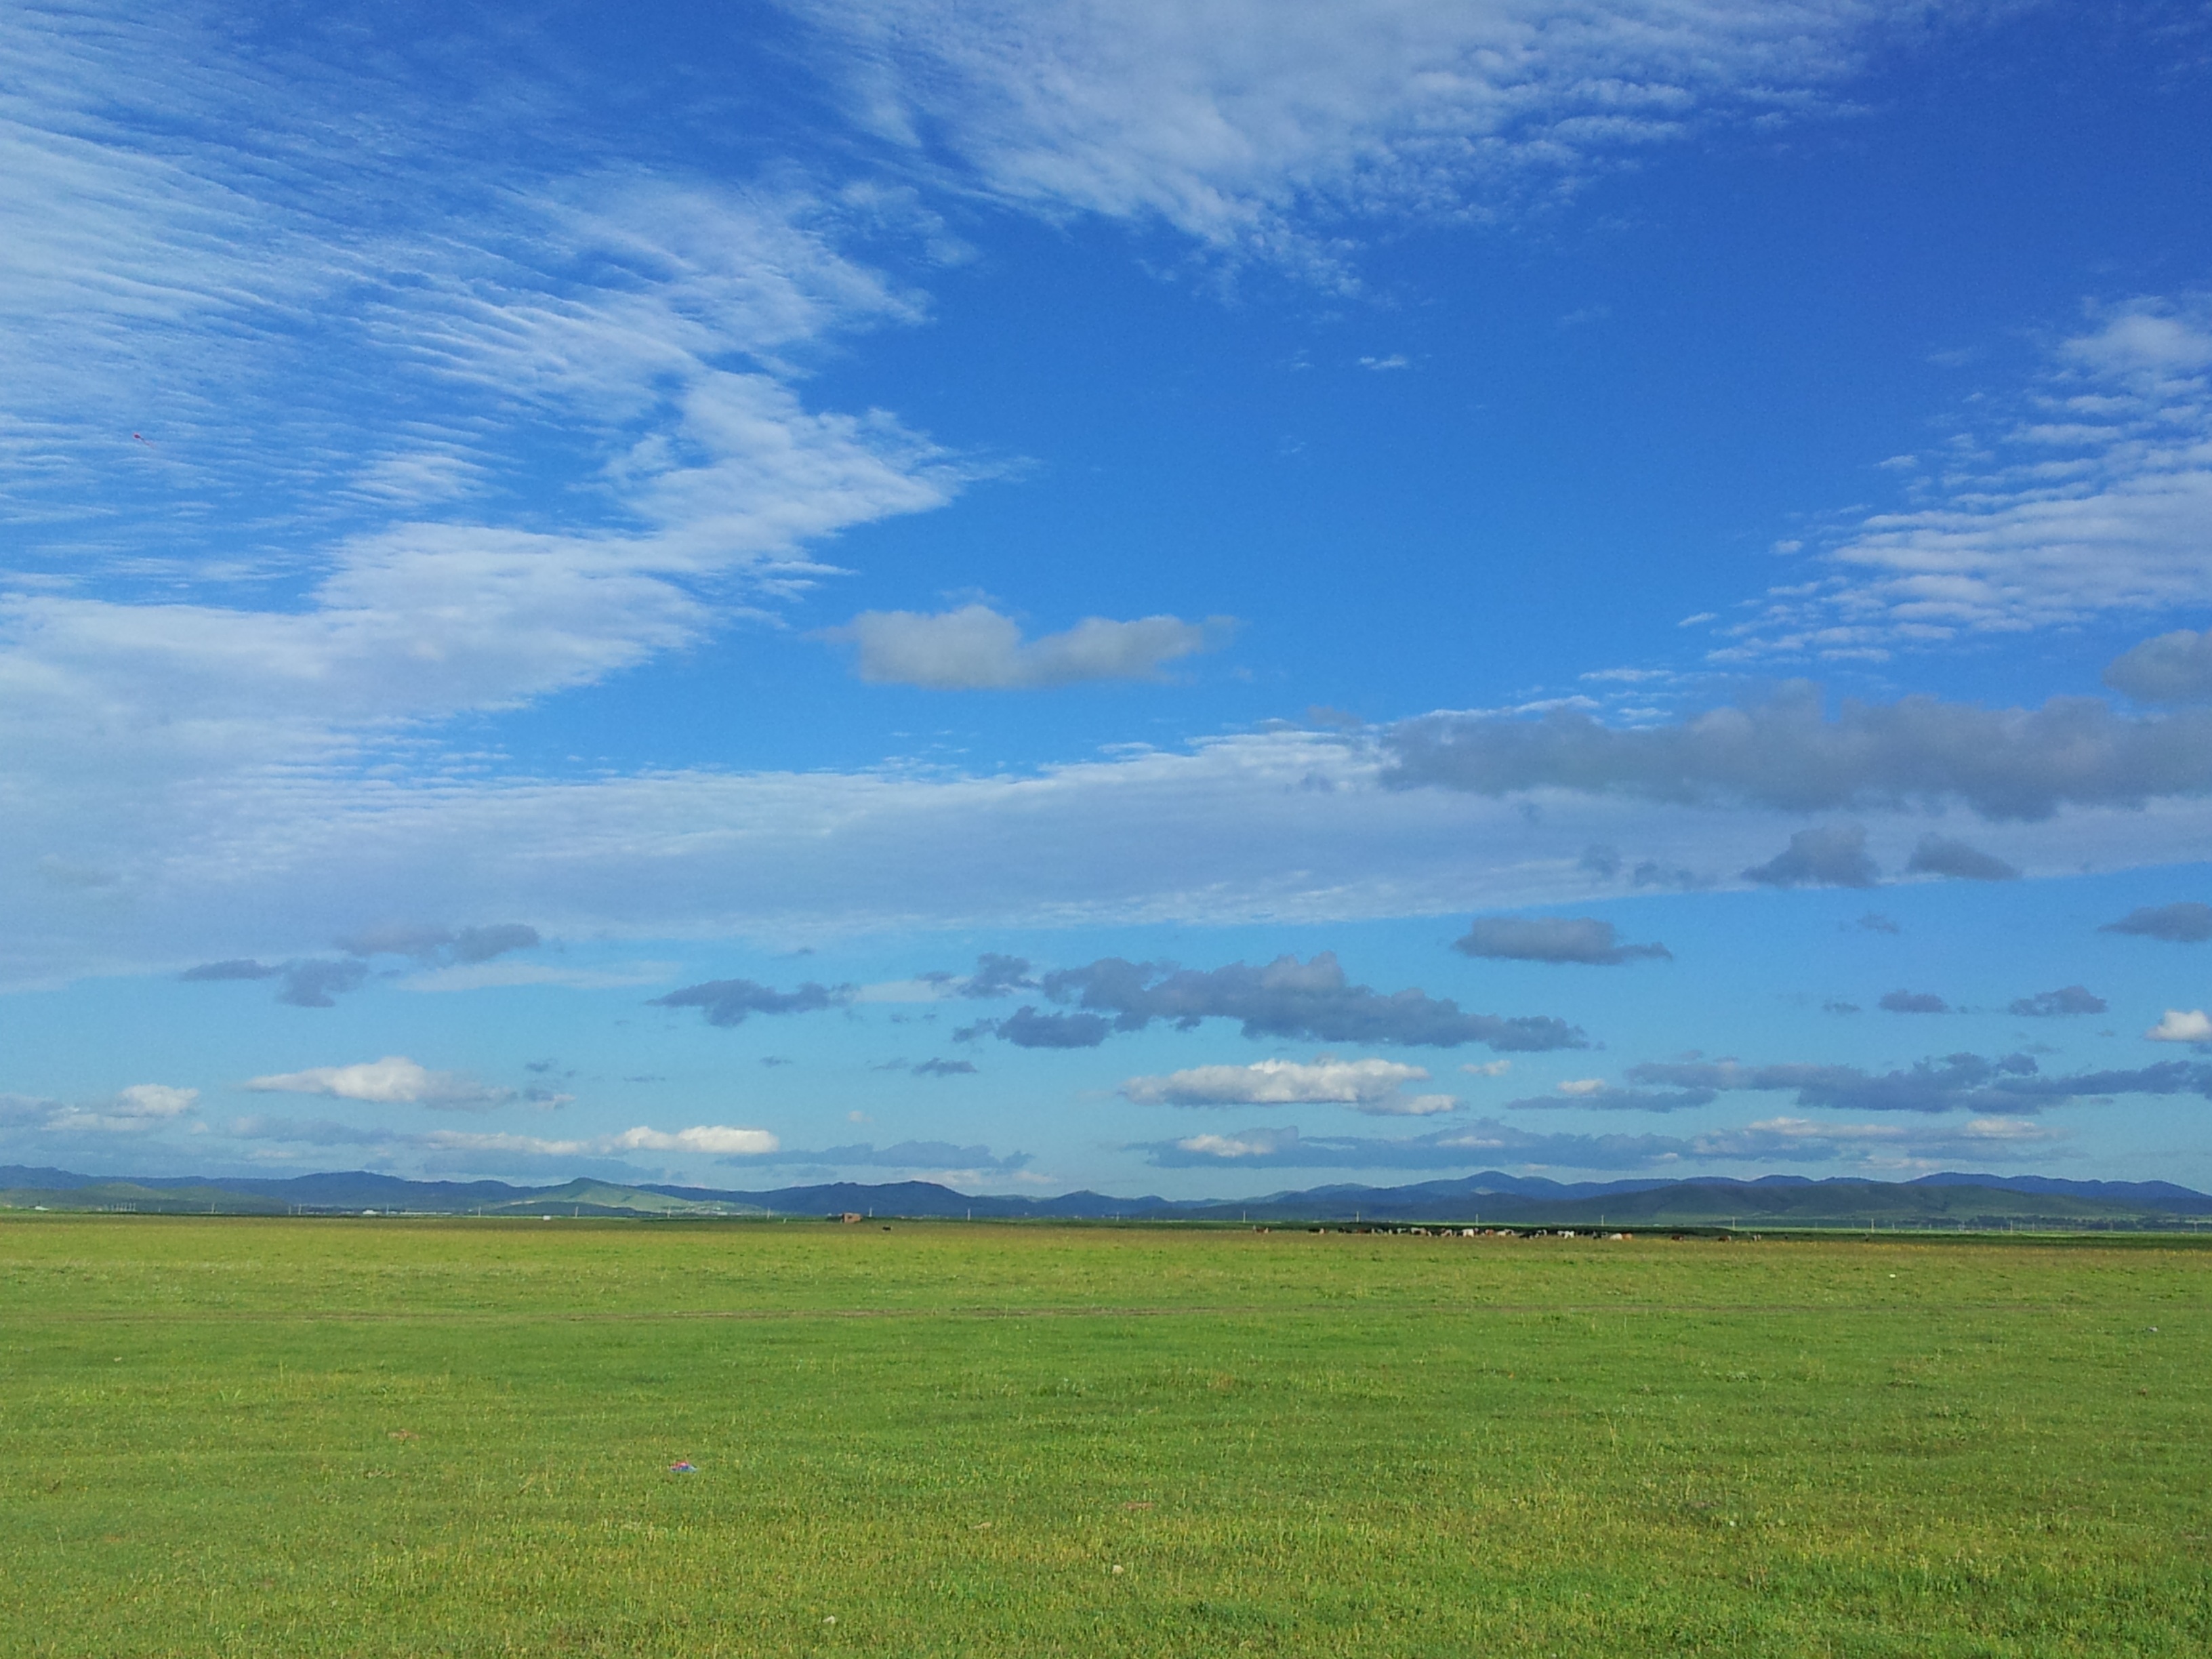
399, 1438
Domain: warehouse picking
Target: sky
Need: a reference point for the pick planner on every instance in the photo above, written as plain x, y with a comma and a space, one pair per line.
1190, 599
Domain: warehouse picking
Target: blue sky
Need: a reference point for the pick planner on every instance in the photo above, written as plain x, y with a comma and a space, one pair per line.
1187, 598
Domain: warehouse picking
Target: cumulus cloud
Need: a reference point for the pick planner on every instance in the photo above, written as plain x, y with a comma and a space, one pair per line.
1373, 1087
2185, 922
395, 1080
1786, 753
2050, 1005
1913, 1002
1553, 938
2172, 668
1832, 855
1940, 855
2011, 1084
976, 648
1285, 998
731, 1001
2182, 1026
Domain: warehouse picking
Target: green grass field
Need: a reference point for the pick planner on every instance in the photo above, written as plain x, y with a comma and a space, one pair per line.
395, 1438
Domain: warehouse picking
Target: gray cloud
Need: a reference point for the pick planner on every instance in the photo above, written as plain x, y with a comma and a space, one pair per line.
442, 945
1551, 938
1838, 1005
234, 968
2066, 999
2186, 922
944, 1068
1913, 1002
997, 975
1874, 922
310, 984
1601, 860
1785, 753
1604, 861
1940, 855
1833, 855
1610, 1099
1967, 1083
1025, 1028
1285, 999
729, 1001
318, 984
2171, 668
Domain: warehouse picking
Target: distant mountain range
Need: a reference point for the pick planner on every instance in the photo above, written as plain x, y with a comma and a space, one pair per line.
1948, 1199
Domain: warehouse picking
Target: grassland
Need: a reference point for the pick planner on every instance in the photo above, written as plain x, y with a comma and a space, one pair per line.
391, 1438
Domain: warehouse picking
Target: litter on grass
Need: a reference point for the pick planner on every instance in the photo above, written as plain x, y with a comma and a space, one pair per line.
681, 1468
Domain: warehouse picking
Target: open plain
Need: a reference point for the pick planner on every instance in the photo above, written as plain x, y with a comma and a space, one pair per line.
384, 1437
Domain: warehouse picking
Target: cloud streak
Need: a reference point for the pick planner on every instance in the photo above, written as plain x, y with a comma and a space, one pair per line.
976, 648
1486, 1143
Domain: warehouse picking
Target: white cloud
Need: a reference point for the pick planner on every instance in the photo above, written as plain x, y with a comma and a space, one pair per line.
1583, 1086
374, 359
1238, 122
2094, 499
974, 647
712, 1139
1487, 1067
1253, 1143
1234, 830
1410, 1105
1370, 1085
134, 1110
152, 1100
395, 1080
2182, 1026
709, 1139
